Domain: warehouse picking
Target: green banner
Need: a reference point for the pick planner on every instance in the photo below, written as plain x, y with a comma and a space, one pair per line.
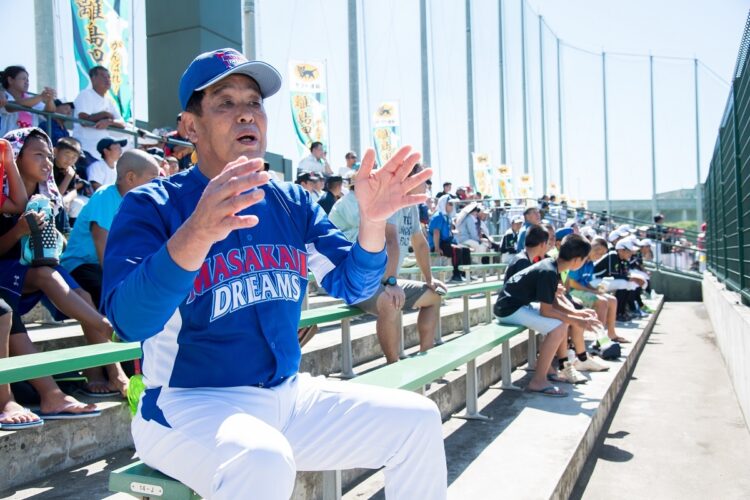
307, 91
102, 37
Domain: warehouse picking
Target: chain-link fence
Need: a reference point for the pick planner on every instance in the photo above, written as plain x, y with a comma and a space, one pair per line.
727, 202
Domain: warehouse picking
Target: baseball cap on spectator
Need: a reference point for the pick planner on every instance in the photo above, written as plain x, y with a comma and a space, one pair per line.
645, 242
58, 102
156, 152
571, 223
70, 144
563, 232
627, 244
517, 220
107, 142
211, 67
308, 177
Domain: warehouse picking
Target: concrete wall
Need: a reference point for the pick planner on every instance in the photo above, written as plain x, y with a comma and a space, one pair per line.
676, 287
731, 322
177, 31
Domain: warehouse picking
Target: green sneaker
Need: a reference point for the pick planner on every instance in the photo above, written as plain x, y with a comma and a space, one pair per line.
647, 309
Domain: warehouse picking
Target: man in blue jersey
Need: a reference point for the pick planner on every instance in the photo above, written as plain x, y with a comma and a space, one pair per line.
207, 269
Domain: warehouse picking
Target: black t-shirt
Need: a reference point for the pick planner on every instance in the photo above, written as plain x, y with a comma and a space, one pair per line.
610, 266
510, 240
520, 262
536, 283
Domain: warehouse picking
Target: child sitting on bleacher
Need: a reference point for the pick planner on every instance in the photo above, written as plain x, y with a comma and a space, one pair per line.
539, 283
25, 286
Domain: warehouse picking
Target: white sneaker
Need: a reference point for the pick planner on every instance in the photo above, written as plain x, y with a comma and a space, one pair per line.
571, 375
589, 365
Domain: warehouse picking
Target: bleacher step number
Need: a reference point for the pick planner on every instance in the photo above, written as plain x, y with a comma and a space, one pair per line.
146, 489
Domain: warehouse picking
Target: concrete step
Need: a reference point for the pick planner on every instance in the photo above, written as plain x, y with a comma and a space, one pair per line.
519, 430
36, 453
535, 446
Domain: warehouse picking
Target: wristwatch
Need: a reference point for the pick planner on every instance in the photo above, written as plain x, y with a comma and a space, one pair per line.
390, 281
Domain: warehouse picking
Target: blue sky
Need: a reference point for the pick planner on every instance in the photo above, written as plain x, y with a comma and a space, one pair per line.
390, 70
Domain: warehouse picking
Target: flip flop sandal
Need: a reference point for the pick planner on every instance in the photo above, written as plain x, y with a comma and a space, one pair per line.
550, 391
20, 425
305, 334
551, 377
107, 394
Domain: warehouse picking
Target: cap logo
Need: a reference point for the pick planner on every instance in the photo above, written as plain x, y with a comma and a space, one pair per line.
230, 59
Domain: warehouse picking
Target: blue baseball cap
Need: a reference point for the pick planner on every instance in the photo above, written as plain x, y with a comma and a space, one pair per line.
211, 67
563, 232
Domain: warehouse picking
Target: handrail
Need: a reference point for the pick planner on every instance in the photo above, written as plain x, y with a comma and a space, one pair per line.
136, 133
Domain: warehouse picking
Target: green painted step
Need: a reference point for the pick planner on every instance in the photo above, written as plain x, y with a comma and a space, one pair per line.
416, 371
142, 481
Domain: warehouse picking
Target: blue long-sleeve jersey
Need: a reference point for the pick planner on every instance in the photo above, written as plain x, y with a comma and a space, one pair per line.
234, 321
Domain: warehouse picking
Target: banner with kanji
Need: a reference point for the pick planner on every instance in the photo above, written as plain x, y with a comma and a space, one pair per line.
307, 91
386, 131
525, 186
484, 176
102, 37
505, 182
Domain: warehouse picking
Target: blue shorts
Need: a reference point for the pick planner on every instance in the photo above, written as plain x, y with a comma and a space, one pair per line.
12, 278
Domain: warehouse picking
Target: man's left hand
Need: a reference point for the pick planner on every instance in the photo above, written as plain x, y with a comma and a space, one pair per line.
382, 192
435, 284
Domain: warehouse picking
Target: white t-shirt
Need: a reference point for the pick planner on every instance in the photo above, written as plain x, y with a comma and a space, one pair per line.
19, 119
406, 221
100, 172
310, 164
89, 102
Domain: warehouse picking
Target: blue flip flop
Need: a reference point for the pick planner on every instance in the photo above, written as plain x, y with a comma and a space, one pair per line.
66, 415
21, 425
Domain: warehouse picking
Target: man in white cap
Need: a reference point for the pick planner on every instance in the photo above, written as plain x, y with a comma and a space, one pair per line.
208, 268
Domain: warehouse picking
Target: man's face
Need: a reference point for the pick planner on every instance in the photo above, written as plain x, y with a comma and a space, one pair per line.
308, 186
101, 82
625, 254
113, 153
351, 160
448, 188
65, 158
318, 152
35, 162
516, 226
577, 263
533, 217
233, 123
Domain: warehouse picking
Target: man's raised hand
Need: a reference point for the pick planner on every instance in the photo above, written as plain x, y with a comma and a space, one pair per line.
227, 194
382, 192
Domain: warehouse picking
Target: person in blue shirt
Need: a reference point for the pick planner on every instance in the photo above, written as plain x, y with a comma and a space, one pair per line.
208, 268
57, 125
84, 253
442, 240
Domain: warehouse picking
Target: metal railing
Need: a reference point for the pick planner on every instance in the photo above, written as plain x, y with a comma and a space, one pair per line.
727, 200
135, 132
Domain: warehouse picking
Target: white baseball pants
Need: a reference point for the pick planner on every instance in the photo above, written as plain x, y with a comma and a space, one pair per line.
248, 442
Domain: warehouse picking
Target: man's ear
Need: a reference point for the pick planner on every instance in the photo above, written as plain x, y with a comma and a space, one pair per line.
189, 122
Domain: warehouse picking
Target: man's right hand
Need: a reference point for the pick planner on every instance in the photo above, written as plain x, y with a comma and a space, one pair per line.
228, 193
396, 296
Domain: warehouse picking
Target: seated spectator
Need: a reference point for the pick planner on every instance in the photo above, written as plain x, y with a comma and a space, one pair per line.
103, 173
173, 165
24, 286
345, 214
332, 194
15, 81
441, 239
316, 162
530, 216
94, 105
402, 231
58, 125
604, 304
351, 164
539, 283
447, 188
309, 181
533, 252
74, 190
508, 245
467, 225
85, 251
613, 264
